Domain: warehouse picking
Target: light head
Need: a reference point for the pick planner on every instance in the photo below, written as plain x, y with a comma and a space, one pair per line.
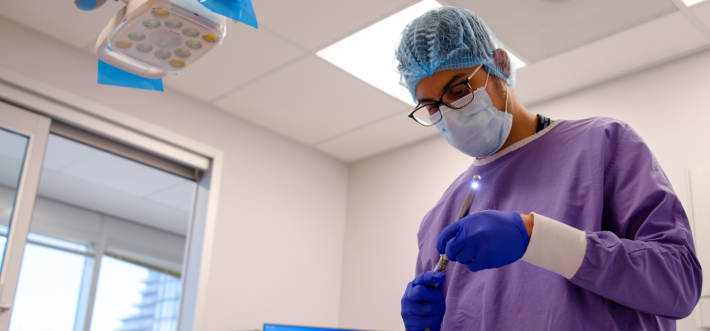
154, 38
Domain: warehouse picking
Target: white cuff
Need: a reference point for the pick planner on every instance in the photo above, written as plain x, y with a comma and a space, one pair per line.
556, 246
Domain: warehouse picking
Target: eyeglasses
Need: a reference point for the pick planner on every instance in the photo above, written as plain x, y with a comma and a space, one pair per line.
428, 114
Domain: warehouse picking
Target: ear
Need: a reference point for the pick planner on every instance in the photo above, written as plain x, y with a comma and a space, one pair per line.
500, 56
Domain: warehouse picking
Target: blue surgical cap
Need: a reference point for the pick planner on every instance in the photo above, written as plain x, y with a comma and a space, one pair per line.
448, 38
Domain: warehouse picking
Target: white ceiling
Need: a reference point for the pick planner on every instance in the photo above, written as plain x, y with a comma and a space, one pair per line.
273, 78
542, 29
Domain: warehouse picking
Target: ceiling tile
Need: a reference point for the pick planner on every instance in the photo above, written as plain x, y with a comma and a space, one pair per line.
389, 133
61, 19
313, 23
538, 29
630, 50
702, 11
246, 53
310, 101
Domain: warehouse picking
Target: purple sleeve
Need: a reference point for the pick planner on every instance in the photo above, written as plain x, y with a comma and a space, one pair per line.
644, 258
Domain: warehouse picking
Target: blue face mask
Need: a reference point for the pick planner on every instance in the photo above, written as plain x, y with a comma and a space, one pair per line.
478, 129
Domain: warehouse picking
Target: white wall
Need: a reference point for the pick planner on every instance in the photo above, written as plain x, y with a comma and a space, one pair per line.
387, 198
281, 208
388, 195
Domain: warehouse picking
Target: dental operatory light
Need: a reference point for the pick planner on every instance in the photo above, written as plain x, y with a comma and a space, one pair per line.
155, 38
369, 53
692, 2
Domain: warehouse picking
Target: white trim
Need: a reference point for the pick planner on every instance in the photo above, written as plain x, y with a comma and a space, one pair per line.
91, 299
556, 246
207, 240
197, 259
514, 147
97, 118
36, 127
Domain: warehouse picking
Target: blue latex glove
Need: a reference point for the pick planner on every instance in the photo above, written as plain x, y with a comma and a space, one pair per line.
423, 305
485, 240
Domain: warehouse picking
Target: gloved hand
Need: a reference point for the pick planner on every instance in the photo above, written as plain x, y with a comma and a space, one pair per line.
423, 305
485, 240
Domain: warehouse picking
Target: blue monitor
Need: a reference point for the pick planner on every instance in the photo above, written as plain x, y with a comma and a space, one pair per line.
278, 327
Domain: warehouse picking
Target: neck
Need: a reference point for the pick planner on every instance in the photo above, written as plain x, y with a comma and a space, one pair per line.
524, 121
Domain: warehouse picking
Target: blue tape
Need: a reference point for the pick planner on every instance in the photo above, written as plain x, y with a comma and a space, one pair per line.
110, 75
238, 10
86, 4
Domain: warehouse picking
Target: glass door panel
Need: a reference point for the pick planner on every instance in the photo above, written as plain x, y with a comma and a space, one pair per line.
13, 147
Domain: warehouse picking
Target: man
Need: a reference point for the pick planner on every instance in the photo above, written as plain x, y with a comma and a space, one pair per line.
613, 250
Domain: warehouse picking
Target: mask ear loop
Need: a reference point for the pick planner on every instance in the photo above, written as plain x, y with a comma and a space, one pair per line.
507, 91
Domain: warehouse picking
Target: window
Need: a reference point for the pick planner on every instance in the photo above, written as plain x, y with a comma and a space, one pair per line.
105, 247
50, 286
133, 298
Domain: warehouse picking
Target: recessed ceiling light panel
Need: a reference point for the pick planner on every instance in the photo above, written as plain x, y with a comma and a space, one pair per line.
369, 53
692, 2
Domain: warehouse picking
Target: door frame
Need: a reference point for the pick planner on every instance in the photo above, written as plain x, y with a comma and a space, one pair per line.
36, 128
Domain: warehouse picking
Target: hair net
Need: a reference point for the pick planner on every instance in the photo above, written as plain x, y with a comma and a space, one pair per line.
448, 38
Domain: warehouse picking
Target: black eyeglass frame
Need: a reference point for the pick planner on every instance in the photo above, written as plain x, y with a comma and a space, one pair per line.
442, 102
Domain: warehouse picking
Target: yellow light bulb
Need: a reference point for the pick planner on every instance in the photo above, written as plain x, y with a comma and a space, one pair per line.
210, 38
177, 63
160, 13
123, 44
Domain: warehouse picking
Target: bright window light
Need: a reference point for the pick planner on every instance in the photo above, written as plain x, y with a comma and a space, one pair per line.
369, 53
692, 2
49, 286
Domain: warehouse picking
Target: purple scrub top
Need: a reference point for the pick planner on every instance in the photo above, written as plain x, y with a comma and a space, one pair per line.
597, 175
